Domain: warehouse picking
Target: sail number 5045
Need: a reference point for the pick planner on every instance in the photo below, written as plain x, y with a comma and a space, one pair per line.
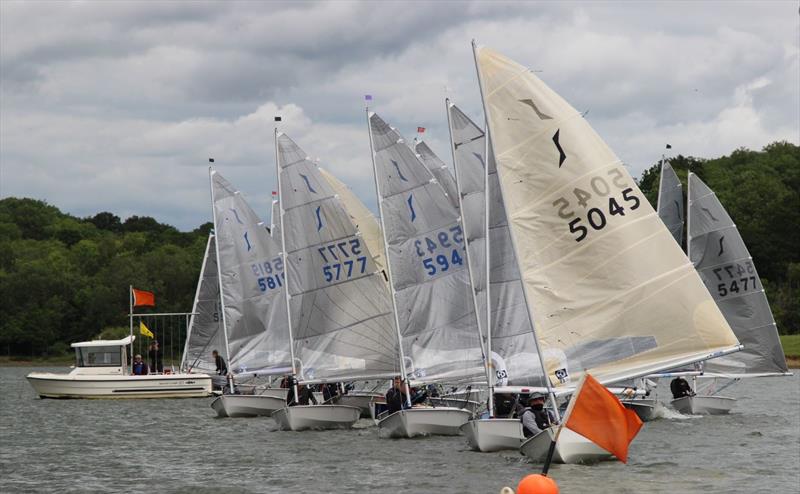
597, 217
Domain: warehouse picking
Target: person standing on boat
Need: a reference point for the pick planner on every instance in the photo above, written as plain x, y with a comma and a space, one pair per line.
154, 355
536, 418
222, 369
396, 396
304, 393
330, 391
139, 367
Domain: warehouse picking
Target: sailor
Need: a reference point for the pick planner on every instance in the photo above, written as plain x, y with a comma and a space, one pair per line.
396, 396
222, 369
503, 405
680, 387
303, 391
139, 367
330, 391
154, 354
536, 418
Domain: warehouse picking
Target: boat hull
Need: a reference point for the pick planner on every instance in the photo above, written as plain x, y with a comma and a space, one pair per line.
316, 417
487, 435
360, 400
571, 448
703, 405
427, 421
645, 408
49, 385
470, 405
247, 405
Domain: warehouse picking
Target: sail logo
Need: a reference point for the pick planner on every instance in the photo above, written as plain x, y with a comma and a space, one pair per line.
308, 184
709, 214
411, 207
399, 173
561, 154
236, 215
319, 218
539, 113
562, 375
480, 158
247, 240
721, 246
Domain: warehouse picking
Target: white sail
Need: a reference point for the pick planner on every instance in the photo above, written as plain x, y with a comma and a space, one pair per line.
670, 201
439, 170
205, 325
718, 252
275, 222
363, 219
341, 311
607, 287
438, 325
251, 280
512, 335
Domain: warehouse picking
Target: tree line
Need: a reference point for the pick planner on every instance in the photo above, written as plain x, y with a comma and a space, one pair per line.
65, 279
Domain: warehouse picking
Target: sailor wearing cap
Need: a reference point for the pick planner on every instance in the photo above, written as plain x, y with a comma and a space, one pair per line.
535, 418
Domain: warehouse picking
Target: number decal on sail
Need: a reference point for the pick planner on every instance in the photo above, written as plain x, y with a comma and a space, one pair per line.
735, 279
342, 260
440, 250
269, 274
606, 204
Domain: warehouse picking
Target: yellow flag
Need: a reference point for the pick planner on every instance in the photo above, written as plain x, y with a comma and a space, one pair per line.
144, 331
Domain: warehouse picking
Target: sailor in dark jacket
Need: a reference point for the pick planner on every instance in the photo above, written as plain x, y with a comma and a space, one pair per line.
222, 369
303, 391
536, 418
680, 387
396, 396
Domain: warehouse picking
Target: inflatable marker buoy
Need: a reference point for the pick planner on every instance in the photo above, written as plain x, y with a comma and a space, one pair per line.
537, 484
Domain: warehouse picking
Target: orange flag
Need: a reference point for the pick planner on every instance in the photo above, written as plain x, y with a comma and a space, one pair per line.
599, 416
142, 298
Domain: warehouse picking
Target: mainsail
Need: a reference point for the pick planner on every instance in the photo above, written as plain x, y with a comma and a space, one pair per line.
607, 287
251, 281
340, 307
718, 252
205, 326
425, 240
670, 201
513, 342
275, 221
439, 170
363, 219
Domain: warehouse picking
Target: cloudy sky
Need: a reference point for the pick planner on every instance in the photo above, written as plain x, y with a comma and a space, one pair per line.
115, 106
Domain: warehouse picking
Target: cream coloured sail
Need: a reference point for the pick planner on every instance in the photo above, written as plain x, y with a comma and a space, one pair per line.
608, 288
205, 325
251, 281
341, 313
670, 201
362, 218
718, 252
425, 240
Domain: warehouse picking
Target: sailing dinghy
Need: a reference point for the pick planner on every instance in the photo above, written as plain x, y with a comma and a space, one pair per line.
433, 310
249, 273
338, 305
717, 250
607, 289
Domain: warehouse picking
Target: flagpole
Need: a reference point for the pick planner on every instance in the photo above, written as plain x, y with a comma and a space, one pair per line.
219, 278
285, 265
548, 384
486, 356
130, 312
388, 263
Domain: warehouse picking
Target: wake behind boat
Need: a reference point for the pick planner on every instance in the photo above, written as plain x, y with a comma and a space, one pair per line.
101, 372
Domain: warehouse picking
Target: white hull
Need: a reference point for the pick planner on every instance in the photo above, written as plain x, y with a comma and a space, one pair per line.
275, 392
703, 405
49, 385
470, 405
360, 400
644, 408
425, 421
488, 435
247, 405
571, 448
304, 417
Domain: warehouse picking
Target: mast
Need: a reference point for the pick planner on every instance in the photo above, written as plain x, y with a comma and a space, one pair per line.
388, 263
285, 267
550, 390
219, 278
487, 354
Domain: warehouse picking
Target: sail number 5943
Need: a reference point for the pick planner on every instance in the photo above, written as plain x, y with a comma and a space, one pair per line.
598, 217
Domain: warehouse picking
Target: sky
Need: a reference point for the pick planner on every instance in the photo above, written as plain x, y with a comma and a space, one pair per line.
117, 106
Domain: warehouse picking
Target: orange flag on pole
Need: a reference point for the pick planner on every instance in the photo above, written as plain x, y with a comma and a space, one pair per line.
599, 416
142, 298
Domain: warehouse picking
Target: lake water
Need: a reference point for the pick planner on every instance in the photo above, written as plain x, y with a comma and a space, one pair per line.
178, 446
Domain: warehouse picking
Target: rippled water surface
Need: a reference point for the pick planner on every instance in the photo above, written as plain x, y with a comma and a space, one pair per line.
178, 446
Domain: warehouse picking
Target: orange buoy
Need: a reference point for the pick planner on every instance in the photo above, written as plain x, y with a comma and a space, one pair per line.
537, 484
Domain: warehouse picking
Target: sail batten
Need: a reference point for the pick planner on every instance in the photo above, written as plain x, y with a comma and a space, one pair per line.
607, 289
